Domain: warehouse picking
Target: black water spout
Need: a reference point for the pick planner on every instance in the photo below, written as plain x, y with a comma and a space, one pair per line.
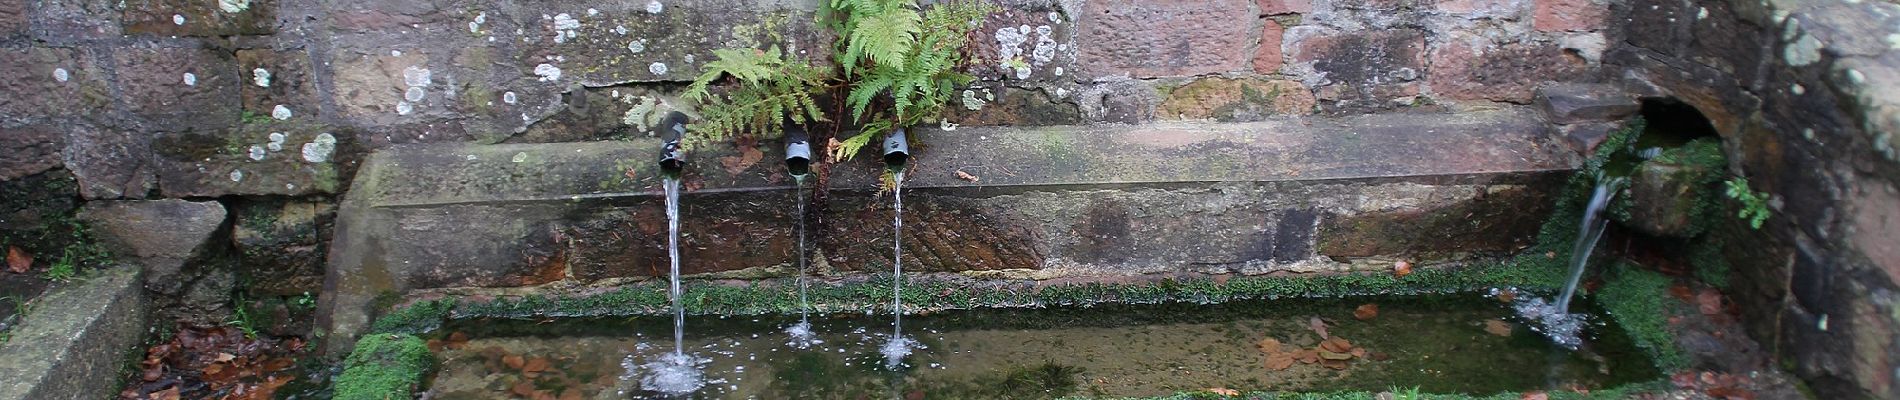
797, 149
672, 158
896, 150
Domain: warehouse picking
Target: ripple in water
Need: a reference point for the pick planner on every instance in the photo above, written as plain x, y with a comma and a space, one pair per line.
801, 335
671, 373
895, 350
1566, 329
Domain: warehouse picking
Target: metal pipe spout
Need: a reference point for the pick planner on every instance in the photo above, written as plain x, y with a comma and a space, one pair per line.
896, 150
672, 157
797, 149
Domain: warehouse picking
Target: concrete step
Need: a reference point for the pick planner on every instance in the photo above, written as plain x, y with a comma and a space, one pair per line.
76, 339
1298, 195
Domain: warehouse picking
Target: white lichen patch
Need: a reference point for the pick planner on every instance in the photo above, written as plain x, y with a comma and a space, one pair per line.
260, 77
476, 25
404, 108
657, 68
637, 46
1797, 89
191, 79
971, 102
519, 157
654, 7
60, 74
414, 94
1893, 40
547, 72
234, 6
620, 30
508, 97
1055, 17
1701, 13
417, 76
237, 175
280, 112
178, 19
1045, 50
1803, 51
1058, 71
257, 153
276, 141
565, 22
319, 149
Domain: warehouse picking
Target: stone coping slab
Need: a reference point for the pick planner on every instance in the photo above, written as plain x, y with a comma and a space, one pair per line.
75, 340
1300, 149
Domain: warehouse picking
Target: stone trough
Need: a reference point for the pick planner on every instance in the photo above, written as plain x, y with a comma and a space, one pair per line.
1288, 196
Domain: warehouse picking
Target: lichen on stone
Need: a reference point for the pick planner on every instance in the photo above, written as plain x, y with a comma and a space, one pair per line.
234, 6
260, 77
280, 112
548, 72
319, 149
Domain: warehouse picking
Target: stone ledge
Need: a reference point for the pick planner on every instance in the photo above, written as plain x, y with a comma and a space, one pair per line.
75, 341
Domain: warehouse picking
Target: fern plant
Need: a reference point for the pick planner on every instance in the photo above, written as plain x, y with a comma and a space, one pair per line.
911, 56
770, 89
1754, 204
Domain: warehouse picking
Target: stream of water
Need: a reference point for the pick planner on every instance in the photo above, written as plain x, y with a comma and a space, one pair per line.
676, 372
1553, 317
899, 346
801, 334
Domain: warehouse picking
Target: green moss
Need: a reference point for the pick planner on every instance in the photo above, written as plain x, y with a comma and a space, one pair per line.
1620, 392
417, 318
384, 366
1635, 297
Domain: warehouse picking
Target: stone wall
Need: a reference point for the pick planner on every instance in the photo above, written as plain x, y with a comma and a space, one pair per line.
1806, 96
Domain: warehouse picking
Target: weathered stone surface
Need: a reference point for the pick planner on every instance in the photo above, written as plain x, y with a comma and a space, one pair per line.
1574, 103
1165, 38
941, 234
163, 237
269, 78
200, 18
75, 342
1025, 42
13, 18
109, 162
77, 19
1122, 101
1874, 221
1494, 219
281, 246
1727, 42
29, 150
1268, 58
48, 81
1570, 15
1666, 198
1007, 105
1236, 100
1469, 67
1357, 70
1585, 137
441, 86
1500, 9
194, 87
1660, 25
258, 158
1281, 7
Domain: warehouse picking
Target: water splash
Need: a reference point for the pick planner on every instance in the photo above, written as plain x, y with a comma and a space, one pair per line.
1553, 318
677, 372
671, 373
899, 346
801, 334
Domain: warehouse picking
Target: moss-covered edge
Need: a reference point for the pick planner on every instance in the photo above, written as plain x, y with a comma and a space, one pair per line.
384, 366
1632, 296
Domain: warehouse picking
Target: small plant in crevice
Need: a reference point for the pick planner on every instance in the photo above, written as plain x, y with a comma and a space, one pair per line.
1754, 204
898, 59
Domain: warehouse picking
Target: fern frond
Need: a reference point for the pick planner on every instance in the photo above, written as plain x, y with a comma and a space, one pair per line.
850, 147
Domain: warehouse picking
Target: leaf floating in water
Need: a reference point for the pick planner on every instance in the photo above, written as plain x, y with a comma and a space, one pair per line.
1366, 312
1336, 345
1318, 326
1402, 268
1280, 361
1535, 395
1268, 346
17, 260
1497, 327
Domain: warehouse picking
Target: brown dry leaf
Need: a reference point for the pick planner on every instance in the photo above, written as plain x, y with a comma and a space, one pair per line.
1359, 352
1366, 312
1318, 326
1378, 356
1709, 302
1269, 346
537, 364
1333, 356
522, 388
167, 394
746, 158
1535, 395
966, 176
18, 261
513, 361
1681, 292
1402, 268
1308, 356
1224, 391
1333, 364
1497, 327
1338, 344
1279, 361
456, 341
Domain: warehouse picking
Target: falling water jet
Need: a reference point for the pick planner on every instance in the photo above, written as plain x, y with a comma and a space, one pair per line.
798, 163
674, 373
896, 157
1554, 318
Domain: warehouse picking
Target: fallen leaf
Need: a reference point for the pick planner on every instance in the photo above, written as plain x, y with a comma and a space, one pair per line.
167, 394
571, 394
456, 341
1709, 302
746, 159
966, 176
225, 357
514, 361
1336, 345
536, 364
1279, 361
1224, 391
17, 260
1318, 326
1378, 356
1359, 352
1681, 292
1269, 346
1366, 312
1538, 395
1308, 356
1328, 355
1497, 327
1402, 268
522, 388
1333, 364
